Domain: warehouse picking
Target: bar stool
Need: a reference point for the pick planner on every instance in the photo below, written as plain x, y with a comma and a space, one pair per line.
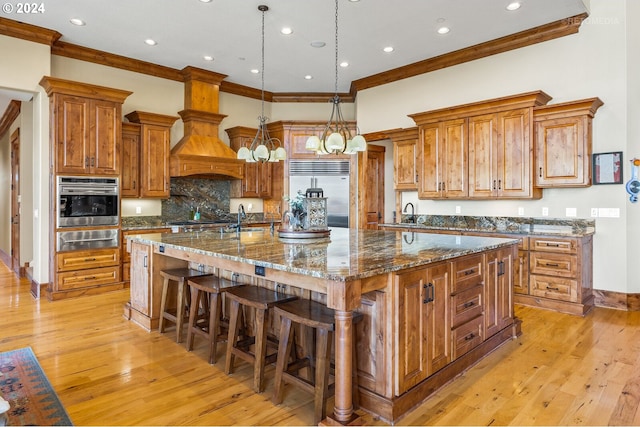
321, 319
261, 300
177, 316
207, 290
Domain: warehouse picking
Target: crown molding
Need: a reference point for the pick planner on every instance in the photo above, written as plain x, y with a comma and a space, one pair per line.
32, 33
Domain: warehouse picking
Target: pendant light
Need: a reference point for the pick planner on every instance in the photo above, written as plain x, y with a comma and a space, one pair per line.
336, 137
263, 148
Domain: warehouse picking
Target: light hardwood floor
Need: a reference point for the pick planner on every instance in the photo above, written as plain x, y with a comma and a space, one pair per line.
563, 370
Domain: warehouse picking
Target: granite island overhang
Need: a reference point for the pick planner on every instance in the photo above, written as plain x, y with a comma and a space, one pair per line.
453, 291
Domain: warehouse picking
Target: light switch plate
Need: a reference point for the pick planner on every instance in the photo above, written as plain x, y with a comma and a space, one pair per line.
458, 209
594, 212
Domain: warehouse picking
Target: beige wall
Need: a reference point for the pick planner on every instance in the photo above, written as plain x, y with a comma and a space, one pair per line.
588, 64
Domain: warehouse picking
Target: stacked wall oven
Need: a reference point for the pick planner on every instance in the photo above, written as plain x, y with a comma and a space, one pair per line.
332, 176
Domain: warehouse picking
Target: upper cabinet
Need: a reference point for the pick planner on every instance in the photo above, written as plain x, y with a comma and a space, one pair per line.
405, 154
257, 181
146, 149
563, 143
481, 150
85, 127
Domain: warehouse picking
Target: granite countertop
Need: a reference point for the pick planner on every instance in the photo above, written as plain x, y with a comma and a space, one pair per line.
348, 254
157, 222
518, 226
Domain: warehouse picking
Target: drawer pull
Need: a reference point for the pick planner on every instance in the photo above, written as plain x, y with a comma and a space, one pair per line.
469, 304
468, 272
549, 288
90, 278
549, 264
552, 245
470, 337
90, 259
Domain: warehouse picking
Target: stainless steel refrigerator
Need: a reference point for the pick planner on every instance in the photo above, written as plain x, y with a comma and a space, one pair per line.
332, 176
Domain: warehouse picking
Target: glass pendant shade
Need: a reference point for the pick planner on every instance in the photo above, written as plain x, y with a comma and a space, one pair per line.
334, 142
244, 153
280, 153
261, 153
313, 143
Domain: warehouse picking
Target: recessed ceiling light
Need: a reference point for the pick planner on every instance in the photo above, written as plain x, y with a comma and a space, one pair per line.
77, 21
388, 49
151, 42
514, 5
208, 58
318, 44
255, 71
443, 30
286, 31
205, 1
308, 77
344, 64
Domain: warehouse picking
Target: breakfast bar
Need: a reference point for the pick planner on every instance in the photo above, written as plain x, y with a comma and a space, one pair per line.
433, 304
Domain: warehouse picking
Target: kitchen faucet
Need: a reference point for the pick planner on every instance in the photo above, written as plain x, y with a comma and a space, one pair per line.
241, 215
412, 218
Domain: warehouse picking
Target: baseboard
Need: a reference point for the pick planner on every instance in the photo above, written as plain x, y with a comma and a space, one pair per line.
5, 258
617, 300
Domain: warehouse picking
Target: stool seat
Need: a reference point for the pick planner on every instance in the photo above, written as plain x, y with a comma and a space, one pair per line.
207, 290
261, 299
322, 319
177, 316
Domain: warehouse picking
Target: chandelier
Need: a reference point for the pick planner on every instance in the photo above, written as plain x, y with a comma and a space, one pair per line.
336, 137
263, 148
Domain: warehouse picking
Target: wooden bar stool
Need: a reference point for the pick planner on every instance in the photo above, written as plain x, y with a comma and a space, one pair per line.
177, 316
261, 300
321, 319
207, 291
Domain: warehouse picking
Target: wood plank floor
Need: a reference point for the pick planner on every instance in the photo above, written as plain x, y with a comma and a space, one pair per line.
564, 370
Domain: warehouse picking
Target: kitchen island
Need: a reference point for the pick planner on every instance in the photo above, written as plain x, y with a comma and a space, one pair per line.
433, 305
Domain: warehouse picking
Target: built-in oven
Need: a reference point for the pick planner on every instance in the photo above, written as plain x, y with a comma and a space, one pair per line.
87, 201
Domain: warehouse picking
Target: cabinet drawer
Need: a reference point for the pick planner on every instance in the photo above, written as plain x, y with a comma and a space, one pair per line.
94, 258
467, 273
567, 245
466, 305
465, 337
553, 264
87, 278
553, 287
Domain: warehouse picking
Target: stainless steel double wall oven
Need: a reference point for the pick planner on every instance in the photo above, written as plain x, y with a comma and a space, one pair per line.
86, 205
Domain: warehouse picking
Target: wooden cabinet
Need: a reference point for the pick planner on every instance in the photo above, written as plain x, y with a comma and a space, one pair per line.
443, 160
86, 272
498, 295
478, 150
145, 168
467, 304
85, 127
405, 158
501, 155
294, 135
258, 179
422, 324
140, 284
563, 143
560, 274
125, 255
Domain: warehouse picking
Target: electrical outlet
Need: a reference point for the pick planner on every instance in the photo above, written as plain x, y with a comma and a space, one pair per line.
545, 211
458, 209
521, 211
594, 212
571, 212
138, 209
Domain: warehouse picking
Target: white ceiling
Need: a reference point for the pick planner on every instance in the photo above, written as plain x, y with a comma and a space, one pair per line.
230, 31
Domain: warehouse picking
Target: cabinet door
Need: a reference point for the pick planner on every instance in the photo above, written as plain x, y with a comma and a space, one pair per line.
72, 117
562, 153
154, 154
405, 157
454, 159
423, 326
483, 137
429, 161
521, 273
514, 155
130, 178
498, 291
140, 277
105, 138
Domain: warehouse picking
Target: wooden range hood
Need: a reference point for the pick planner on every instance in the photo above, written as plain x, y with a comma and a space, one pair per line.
201, 152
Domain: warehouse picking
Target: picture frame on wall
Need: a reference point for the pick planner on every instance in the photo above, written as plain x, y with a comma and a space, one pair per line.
607, 168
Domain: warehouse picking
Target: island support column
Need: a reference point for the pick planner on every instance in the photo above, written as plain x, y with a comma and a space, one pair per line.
343, 297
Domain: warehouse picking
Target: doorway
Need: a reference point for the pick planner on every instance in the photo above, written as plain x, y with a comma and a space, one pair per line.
371, 187
15, 202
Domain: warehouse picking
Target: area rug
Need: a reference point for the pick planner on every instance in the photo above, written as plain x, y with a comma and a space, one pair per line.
24, 385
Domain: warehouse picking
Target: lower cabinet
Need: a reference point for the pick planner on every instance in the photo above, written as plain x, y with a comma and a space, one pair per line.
422, 326
86, 272
140, 277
